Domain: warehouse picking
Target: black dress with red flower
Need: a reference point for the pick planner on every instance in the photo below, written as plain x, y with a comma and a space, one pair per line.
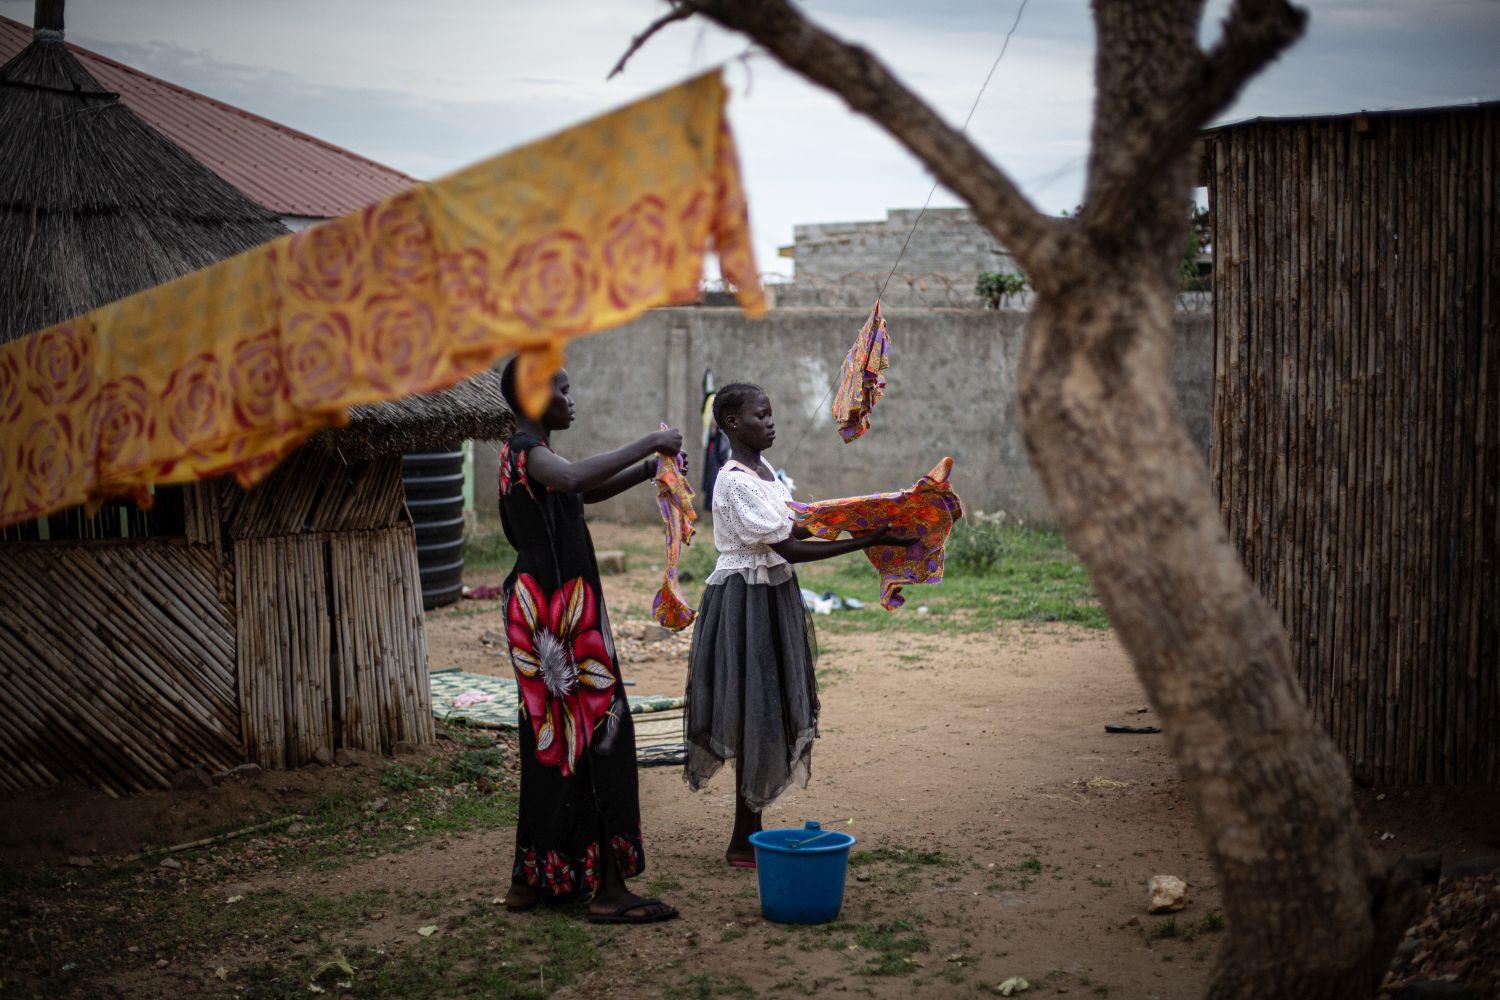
578, 771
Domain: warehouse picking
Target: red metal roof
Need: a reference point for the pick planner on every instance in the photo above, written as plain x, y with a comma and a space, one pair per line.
287, 171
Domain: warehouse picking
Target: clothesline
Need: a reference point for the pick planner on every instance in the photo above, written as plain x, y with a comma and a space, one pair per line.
963, 130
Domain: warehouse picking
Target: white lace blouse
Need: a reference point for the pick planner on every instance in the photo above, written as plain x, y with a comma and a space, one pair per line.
750, 514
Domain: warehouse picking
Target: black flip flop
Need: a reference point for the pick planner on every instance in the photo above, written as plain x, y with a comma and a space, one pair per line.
1138, 730
618, 916
524, 907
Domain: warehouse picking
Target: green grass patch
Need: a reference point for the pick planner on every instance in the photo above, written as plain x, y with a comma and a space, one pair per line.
478, 953
896, 943
488, 550
96, 916
1163, 929
898, 856
993, 572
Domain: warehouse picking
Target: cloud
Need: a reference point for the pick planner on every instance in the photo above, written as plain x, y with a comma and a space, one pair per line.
431, 85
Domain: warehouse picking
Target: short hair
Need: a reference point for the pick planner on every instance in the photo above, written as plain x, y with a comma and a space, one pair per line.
731, 397
508, 386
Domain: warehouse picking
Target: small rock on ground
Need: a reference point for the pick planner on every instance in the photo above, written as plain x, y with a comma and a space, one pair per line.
1168, 894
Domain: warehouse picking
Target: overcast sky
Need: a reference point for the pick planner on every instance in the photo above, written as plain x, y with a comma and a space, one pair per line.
427, 86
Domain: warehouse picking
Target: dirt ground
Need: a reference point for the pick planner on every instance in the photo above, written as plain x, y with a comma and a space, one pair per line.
988, 748
1007, 834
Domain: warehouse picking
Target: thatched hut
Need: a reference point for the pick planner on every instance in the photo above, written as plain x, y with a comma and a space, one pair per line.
220, 626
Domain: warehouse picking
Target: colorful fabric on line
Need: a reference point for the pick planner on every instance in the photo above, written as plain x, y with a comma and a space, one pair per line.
862, 379
925, 512
227, 369
675, 497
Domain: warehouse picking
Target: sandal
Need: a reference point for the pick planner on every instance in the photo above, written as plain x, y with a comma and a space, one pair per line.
620, 915
741, 863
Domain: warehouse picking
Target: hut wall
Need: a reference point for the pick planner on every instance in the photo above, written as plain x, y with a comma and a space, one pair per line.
1356, 421
331, 644
116, 664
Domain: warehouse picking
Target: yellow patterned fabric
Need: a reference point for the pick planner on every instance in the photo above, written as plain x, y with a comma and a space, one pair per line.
227, 369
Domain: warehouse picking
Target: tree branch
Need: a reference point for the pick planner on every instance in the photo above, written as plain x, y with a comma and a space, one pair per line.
676, 14
1255, 33
868, 87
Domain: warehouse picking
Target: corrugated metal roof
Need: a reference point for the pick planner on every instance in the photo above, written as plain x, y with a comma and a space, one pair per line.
289, 172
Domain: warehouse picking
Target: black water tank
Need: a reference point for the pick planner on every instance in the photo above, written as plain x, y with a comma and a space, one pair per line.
435, 496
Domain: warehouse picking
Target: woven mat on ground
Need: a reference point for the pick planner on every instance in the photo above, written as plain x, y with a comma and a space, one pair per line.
658, 722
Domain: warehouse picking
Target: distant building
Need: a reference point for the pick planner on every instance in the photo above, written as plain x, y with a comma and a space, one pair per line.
845, 263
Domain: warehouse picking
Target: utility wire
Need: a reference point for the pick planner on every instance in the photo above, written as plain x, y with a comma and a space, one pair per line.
963, 129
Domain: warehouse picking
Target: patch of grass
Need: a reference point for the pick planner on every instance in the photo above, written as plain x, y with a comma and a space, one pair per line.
896, 943
479, 953
1163, 929
828, 676
697, 560
732, 934
1212, 922
954, 974
1102, 883
488, 550
662, 885
898, 856
993, 572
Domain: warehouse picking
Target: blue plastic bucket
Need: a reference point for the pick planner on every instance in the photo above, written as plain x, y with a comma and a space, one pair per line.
801, 885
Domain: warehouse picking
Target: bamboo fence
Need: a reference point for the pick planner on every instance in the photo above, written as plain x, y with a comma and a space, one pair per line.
1356, 422
116, 664
268, 625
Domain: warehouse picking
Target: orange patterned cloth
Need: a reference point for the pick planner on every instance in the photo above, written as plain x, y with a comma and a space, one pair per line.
229, 368
675, 497
862, 379
925, 512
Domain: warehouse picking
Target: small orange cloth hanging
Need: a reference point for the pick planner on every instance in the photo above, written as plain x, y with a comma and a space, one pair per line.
925, 512
227, 369
862, 379
675, 497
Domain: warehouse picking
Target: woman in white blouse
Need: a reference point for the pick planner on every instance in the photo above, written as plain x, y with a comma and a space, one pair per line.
752, 696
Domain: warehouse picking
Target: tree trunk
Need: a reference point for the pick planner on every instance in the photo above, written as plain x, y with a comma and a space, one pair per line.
1130, 492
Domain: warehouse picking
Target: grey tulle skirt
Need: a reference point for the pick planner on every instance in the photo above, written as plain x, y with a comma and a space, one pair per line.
752, 696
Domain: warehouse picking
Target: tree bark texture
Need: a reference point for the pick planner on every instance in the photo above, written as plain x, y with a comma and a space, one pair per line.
1313, 913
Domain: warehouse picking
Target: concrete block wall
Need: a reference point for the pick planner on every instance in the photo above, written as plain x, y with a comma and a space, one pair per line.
952, 392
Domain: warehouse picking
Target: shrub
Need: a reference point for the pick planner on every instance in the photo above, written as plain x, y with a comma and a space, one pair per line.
980, 542
994, 287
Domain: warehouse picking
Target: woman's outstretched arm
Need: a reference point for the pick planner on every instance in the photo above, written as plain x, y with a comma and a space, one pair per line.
557, 473
622, 481
799, 550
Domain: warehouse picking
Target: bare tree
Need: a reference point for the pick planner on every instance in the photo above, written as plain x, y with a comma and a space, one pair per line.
1313, 911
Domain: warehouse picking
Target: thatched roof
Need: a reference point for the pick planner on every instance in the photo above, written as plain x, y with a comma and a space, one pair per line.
95, 204
471, 410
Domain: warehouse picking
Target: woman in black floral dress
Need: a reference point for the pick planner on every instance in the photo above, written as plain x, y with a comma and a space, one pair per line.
579, 830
